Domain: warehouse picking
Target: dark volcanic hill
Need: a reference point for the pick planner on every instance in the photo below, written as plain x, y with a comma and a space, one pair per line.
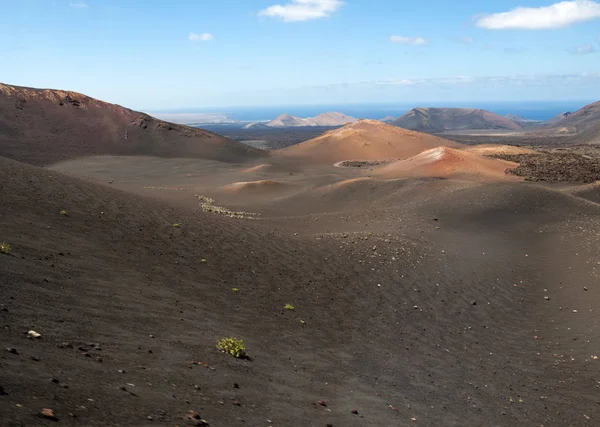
449, 119
585, 121
559, 117
44, 126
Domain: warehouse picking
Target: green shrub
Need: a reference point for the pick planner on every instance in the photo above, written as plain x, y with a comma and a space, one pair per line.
5, 248
289, 307
232, 346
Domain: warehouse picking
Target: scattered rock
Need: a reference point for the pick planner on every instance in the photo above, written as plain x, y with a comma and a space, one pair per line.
354, 411
193, 418
12, 350
33, 334
2, 392
48, 414
149, 418
35, 359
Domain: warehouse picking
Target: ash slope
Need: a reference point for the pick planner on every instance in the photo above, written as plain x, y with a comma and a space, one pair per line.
448, 338
364, 140
43, 126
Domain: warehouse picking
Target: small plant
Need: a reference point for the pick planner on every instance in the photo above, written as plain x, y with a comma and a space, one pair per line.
235, 289
5, 248
64, 213
289, 307
232, 346
176, 225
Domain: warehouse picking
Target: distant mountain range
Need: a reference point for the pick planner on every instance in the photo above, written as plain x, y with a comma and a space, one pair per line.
433, 120
331, 119
584, 123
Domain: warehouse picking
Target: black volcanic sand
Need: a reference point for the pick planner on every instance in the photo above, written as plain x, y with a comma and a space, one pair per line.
425, 302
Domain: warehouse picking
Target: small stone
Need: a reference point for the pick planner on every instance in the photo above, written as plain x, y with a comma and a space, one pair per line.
55, 380
121, 371
35, 359
236, 385
354, 411
575, 311
585, 288
33, 334
12, 350
149, 418
413, 419
99, 359
48, 413
547, 298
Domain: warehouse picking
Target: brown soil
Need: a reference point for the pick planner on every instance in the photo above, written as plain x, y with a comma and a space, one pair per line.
42, 127
364, 140
555, 167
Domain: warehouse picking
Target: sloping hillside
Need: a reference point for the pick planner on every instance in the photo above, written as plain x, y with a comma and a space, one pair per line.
451, 119
364, 140
43, 126
584, 124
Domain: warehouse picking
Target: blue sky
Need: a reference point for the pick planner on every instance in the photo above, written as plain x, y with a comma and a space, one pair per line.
157, 54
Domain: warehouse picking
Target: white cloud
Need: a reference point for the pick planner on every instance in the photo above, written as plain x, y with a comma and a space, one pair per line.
558, 15
302, 10
583, 50
204, 37
414, 41
516, 80
78, 4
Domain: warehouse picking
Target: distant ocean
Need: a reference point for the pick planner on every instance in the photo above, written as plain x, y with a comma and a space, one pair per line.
533, 110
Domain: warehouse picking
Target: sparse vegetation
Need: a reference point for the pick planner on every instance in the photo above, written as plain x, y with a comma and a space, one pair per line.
5, 248
232, 346
289, 307
235, 289
207, 205
176, 225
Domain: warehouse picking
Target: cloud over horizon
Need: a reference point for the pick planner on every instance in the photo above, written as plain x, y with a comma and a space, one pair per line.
412, 41
558, 15
302, 10
583, 50
204, 37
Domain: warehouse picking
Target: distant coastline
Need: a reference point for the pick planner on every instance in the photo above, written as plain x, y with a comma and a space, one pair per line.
533, 110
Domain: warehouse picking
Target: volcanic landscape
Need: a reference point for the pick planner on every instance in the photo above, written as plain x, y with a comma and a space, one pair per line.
377, 276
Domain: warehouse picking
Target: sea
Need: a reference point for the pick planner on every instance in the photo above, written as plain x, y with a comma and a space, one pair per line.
532, 110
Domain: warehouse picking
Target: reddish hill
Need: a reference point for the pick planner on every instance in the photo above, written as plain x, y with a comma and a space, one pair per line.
364, 140
448, 119
43, 126
446, 162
